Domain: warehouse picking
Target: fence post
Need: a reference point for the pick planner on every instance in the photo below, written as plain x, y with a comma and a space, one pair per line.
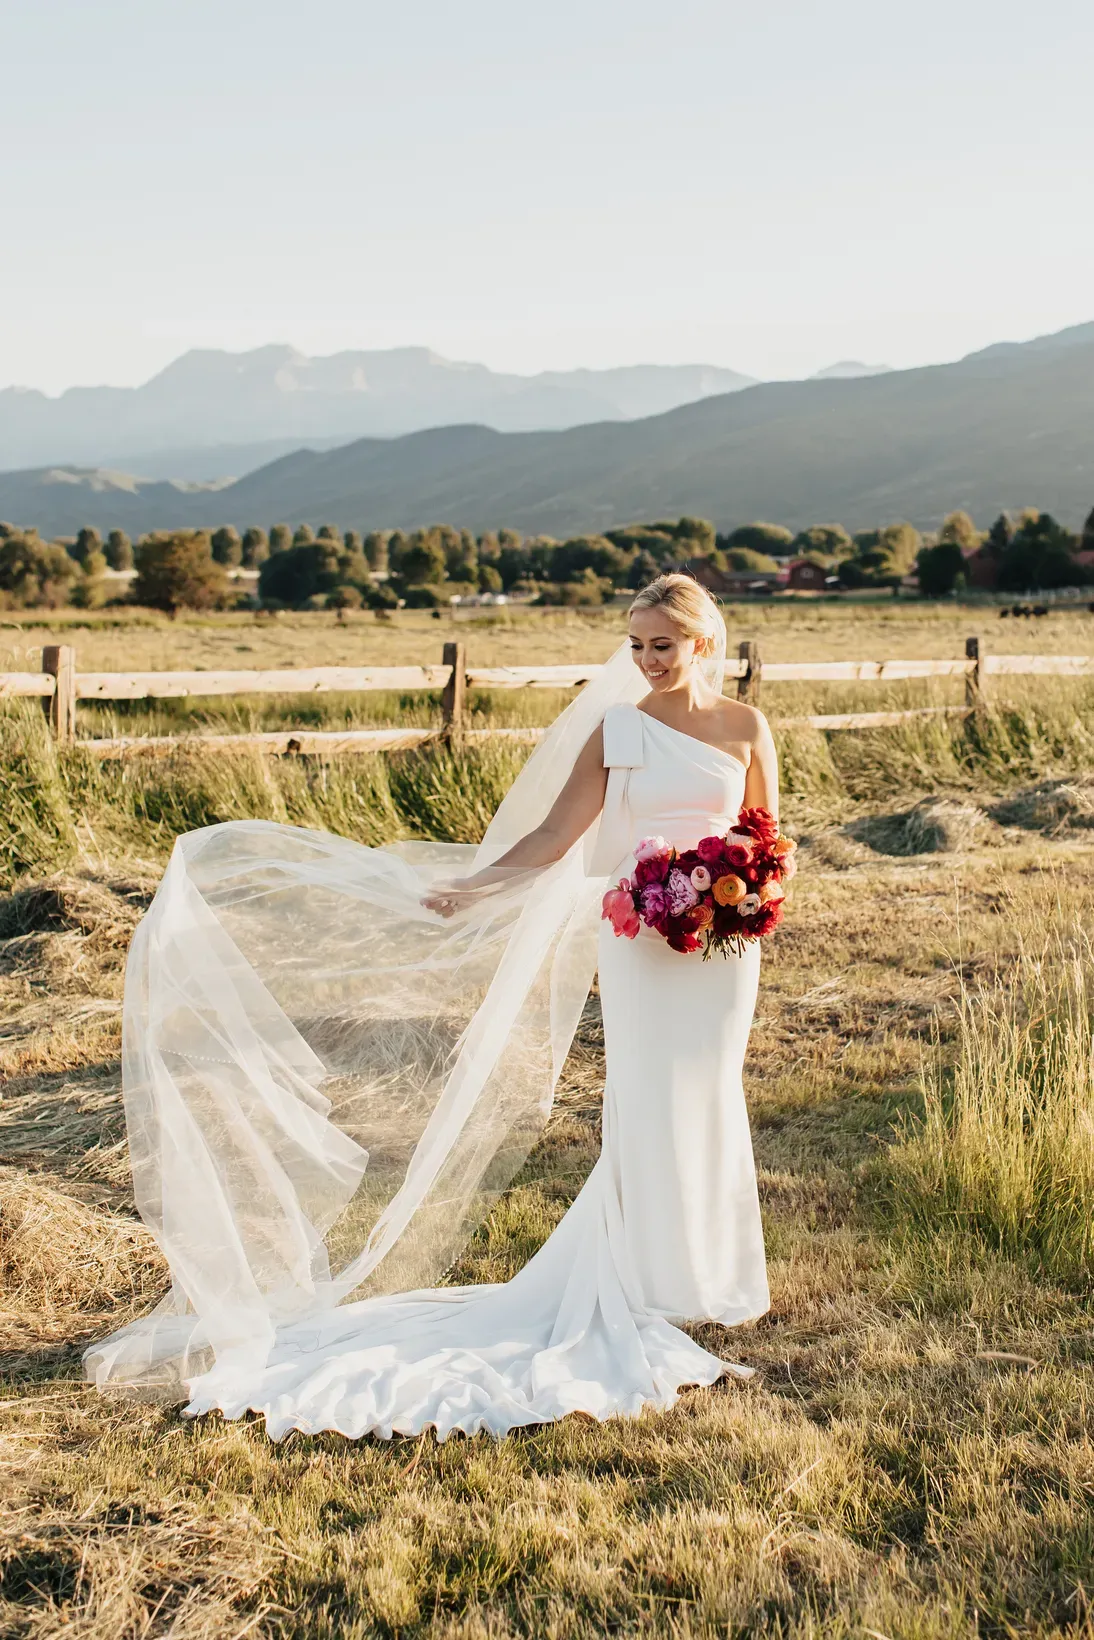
59, 660
454, 695
748, 684
974, 677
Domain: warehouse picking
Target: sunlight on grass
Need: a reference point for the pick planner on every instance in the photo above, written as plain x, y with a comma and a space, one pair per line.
1005, 1148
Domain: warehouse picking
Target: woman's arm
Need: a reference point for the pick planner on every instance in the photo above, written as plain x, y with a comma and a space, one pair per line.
572, 813
762, 779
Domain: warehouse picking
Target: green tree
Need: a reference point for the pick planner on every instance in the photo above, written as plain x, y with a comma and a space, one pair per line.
352, 542
884, 556
255, 547
959, 530
311, 570
489, 547
1000, 535
1086, 540
396, 546
771, 539
227, 547
88, 541
422, 562
510, 540
376, 551
34, 574
280, 538
179, 571
119, 550
939, 568
1041, 555
89, 587
588, 553
644, 568
697, 537
303, 535
329, 532
745, 559
489, 578
824, 542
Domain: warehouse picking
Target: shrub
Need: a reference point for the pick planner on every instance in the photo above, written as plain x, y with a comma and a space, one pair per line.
178, 571
34, 574
382, 596
425, 597
280, 538
303, 572
939, 568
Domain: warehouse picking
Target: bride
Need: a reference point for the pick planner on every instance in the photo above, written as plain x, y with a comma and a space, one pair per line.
335, 1058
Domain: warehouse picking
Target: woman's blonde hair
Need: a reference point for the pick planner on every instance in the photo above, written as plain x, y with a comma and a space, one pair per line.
688, 606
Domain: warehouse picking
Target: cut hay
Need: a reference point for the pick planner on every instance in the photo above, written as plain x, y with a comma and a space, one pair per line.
58, 1253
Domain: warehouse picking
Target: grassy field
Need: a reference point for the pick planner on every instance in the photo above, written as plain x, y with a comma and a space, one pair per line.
915, 1457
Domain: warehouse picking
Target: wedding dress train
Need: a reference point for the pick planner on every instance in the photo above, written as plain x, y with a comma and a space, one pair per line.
665, 1229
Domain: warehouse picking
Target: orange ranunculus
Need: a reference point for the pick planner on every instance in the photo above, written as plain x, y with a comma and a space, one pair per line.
701, 916
729, 890
783, 845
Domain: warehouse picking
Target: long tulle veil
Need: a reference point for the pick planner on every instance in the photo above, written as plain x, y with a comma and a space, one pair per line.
326, 1086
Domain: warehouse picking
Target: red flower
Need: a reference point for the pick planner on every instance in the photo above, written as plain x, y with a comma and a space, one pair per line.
654, 870
761, 823
710, 850
738, 856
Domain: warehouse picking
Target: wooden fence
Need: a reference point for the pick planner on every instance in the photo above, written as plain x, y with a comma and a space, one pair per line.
61, 687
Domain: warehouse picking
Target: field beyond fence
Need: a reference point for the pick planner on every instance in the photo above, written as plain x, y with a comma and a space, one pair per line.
61, 687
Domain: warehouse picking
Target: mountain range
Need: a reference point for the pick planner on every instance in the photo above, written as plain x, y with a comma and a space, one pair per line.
213, 414
1007, 427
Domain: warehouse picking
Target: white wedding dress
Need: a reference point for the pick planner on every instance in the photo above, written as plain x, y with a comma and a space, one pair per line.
665, 1229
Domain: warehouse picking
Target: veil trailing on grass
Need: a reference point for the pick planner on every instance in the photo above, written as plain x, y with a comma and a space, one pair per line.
326, 1085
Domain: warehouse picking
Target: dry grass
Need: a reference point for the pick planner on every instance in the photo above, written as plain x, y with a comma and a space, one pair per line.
800, 629
889, 1472
914, 1459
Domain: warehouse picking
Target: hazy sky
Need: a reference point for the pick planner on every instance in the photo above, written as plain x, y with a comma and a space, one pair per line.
541, 183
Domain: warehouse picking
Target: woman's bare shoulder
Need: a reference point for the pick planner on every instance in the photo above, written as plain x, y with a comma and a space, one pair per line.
742, 722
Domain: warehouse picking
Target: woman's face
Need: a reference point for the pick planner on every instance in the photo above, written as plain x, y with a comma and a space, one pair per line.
664, 656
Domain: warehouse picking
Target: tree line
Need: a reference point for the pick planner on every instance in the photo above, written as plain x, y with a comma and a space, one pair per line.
303, 568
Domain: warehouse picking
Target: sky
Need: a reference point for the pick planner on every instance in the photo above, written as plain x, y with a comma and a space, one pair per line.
541, 184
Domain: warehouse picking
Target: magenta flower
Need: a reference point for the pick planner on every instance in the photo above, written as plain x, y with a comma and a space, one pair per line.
654, 903
709, 850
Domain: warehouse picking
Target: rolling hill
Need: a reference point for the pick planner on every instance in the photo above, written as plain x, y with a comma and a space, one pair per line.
1004, 428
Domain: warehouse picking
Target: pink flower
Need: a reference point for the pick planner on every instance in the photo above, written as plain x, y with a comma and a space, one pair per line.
700, 879
788, 865
749, 905
618, 909
654, 905
679, 893
709, 850
649, 846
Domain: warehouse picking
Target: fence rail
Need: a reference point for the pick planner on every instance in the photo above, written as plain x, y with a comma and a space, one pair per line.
60, 687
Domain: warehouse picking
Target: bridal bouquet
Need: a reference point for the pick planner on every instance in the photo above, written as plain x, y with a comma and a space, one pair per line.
711, 897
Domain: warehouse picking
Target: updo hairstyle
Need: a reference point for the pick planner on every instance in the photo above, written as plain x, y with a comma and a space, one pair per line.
688, 606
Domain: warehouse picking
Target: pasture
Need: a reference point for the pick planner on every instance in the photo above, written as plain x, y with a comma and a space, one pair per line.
915, 1456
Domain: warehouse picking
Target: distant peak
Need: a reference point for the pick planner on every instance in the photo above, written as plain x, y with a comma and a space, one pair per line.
848, 369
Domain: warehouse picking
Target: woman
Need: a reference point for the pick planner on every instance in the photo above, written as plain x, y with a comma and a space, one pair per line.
335, 1057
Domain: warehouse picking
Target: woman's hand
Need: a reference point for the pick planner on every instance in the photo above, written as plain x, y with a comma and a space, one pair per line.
447, 900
